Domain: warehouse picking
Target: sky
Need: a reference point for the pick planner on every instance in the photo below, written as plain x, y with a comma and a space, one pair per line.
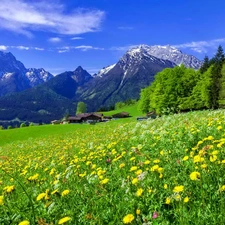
60, 35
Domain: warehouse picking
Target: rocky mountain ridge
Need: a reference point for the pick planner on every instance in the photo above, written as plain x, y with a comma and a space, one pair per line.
15, 77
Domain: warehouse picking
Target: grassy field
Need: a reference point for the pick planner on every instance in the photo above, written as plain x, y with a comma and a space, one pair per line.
46, 131
132, 109
164, 171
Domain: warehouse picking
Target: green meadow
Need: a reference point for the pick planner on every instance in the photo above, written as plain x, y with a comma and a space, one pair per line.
168, 170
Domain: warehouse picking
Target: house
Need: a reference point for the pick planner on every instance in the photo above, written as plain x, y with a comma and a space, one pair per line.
85, 117
54, 122
121, 115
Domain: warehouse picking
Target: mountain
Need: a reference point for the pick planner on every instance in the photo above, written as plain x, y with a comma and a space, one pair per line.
37, 76
59, 95
14, 77
123, 80
43, 103
173, 54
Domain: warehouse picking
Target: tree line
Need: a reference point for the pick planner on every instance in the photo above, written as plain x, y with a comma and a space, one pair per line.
182, 89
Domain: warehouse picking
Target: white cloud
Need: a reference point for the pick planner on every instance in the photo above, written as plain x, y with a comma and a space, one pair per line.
38, 49
25, 16
80, 47
3, 47
55, 39
122, 48
21, 47
63, 51
87, 47
77, 38
201, 46
125, 28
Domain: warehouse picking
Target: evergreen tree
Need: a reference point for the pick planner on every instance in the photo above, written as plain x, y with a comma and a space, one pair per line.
205, 65
216, 76
222, 88
81, 108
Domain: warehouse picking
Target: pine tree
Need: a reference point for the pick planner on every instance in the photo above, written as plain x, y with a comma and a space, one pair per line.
216, 75
205, 65
81, 108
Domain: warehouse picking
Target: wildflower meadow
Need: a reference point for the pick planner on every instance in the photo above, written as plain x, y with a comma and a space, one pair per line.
169, 170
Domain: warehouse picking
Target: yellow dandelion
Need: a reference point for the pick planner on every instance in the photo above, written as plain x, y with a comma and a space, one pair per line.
134, 181
185, 158
105, 181
156, 161
64, 220
41, 196
178, 189
122, 165
65, 192
1, 200
213, 158
147, 162
222, 188
203, 166
138, 211
128, 218
219, 128
194, 175
165, 186
9, 189
186, 199
168, 200
53, 192
133, 168
198, 158
155, 168
25, 222
139, 192
138, 172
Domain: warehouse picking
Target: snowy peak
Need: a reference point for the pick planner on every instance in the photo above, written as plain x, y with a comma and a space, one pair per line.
105, 70
14, 76
9, 64
37, 76
166, 52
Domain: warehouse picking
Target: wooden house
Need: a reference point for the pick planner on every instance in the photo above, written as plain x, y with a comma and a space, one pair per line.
85, 117
121, 115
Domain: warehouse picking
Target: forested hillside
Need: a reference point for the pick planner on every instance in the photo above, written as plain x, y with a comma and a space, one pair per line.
183, 89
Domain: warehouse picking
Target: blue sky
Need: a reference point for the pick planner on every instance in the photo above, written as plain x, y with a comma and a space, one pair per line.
60, 35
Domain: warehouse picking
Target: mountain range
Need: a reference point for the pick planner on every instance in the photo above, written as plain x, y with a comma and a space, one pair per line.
42, 97
14, 77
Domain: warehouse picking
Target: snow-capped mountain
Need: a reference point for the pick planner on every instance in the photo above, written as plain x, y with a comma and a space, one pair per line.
154, 53
124, 80
37, 76
104, 70
170, 53
14, 76
9, 64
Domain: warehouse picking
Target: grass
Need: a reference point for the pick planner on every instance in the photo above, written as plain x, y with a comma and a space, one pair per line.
132, 109
164, 171
46, 131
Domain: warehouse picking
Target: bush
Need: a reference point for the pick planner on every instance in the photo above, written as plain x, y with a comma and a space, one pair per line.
22, 125
10, 127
